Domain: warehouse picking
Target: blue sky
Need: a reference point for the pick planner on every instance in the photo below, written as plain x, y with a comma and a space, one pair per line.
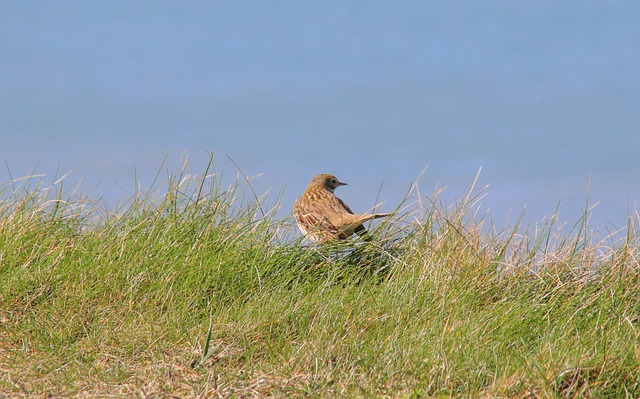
543, 96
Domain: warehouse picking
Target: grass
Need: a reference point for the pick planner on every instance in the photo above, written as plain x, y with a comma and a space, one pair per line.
202, 292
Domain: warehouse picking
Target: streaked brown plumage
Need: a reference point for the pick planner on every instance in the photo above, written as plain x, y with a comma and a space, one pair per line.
322, 216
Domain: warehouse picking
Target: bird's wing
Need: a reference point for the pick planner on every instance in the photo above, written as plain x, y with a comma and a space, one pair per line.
312, 219
315, 223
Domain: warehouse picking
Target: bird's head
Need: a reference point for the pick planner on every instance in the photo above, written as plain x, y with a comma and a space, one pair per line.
330, 182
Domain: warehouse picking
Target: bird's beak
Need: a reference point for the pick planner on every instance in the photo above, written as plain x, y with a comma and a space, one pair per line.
341, 183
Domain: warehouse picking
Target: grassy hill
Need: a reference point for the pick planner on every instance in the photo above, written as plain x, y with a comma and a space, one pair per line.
202, 292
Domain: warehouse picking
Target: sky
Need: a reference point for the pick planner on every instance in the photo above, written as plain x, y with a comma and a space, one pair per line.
543, 98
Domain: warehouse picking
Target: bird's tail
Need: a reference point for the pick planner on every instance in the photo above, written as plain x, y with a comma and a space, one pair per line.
361, 231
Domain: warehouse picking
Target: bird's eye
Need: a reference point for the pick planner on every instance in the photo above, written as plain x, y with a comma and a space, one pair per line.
334, 181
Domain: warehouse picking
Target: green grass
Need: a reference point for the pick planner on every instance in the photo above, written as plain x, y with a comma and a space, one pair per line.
202, 292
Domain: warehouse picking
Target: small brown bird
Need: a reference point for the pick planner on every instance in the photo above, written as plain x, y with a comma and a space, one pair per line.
322, 216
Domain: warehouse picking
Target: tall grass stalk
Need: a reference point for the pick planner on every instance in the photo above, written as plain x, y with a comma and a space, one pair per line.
199, 290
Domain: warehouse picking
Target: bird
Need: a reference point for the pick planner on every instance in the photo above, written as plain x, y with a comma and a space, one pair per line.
323, 217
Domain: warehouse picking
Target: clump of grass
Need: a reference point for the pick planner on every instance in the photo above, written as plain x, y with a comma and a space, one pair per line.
201, 291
